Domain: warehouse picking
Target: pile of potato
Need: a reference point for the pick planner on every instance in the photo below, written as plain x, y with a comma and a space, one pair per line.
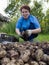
26, 53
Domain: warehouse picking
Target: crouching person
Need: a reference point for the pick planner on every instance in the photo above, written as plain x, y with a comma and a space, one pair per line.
27, 25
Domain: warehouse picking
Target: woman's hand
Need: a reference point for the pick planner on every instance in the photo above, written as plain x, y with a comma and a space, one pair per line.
29, 32
18, 32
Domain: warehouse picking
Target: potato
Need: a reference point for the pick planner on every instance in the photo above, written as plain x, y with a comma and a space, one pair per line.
39, 54
42, 63
34, 63
2, 53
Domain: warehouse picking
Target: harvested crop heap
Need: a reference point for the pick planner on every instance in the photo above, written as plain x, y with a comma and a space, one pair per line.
24, 54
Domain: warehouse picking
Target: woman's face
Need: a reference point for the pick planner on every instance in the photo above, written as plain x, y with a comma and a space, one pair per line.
25, 13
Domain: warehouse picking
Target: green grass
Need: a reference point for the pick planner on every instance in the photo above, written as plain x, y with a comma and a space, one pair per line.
8, 28
42, 37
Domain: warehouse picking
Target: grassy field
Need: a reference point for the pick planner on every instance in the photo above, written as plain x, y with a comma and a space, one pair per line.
42, 37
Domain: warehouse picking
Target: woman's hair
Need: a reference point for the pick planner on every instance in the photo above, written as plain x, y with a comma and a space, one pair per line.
25, 7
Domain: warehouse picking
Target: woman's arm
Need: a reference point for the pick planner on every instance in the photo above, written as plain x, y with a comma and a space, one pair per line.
38, 30
18, 32
34, 31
